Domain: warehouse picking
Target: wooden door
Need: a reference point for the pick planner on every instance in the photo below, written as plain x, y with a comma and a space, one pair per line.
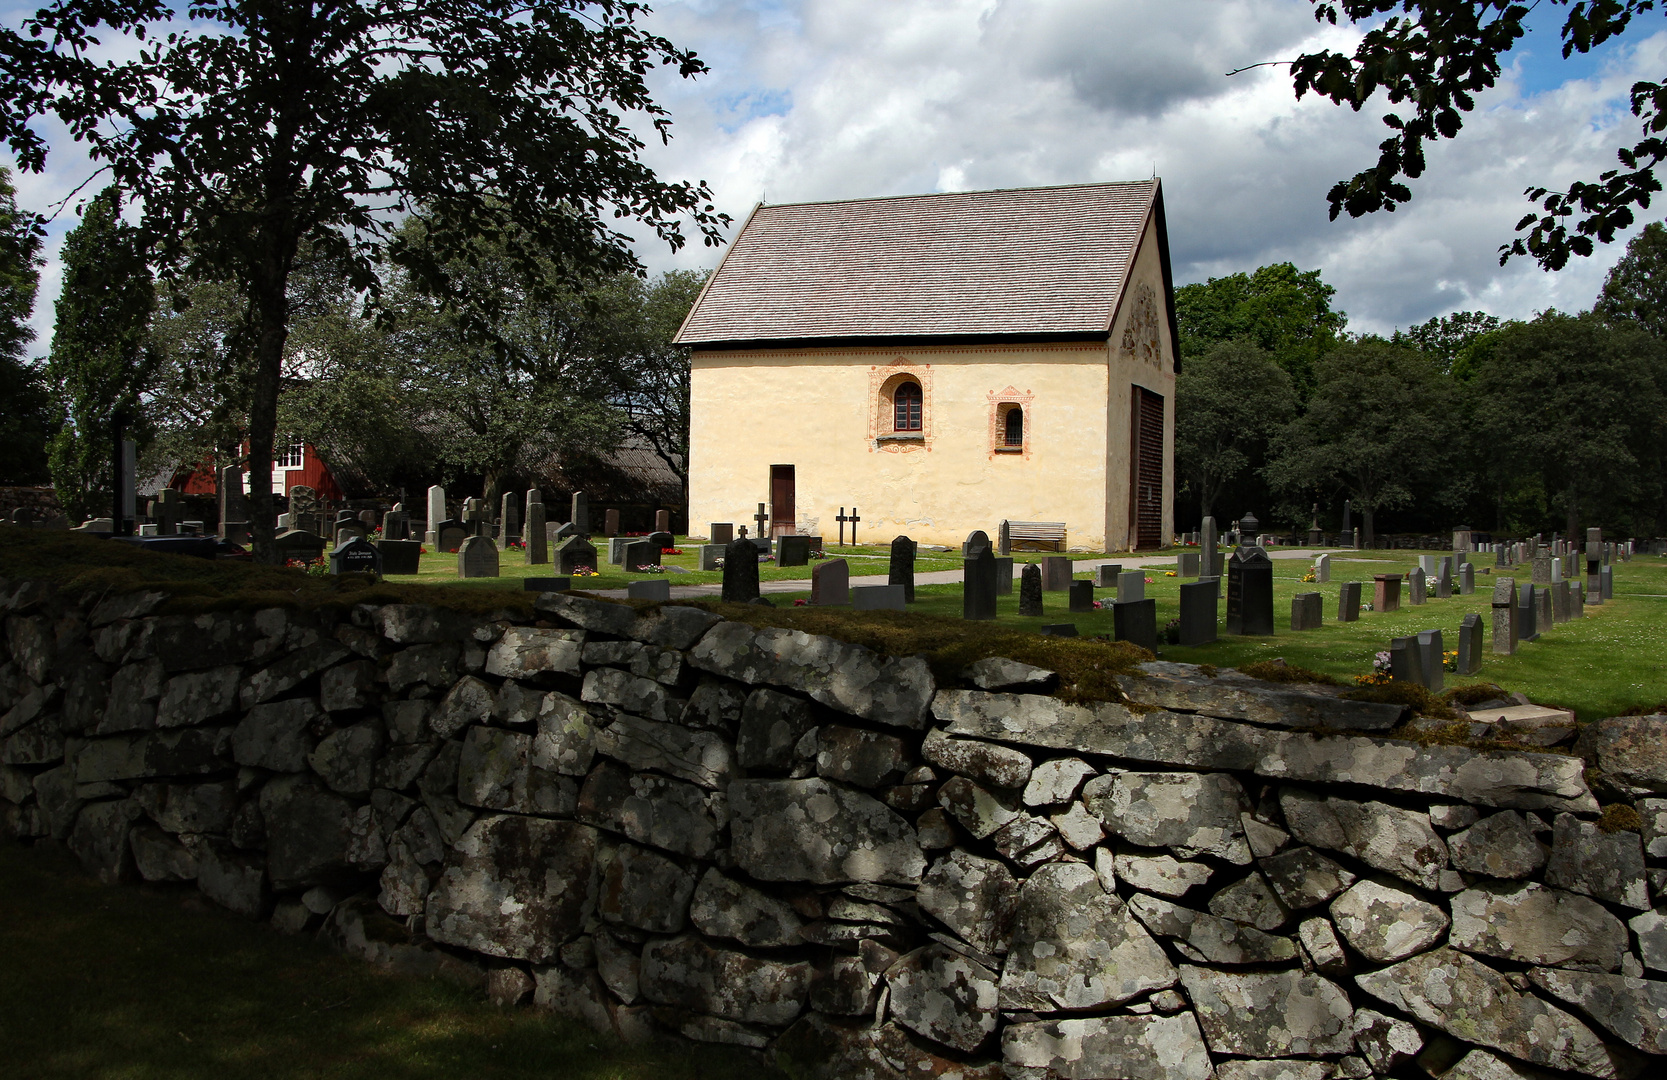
1146, 468
781, 500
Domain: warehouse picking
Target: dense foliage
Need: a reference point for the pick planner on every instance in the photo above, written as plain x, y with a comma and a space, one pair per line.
29, 416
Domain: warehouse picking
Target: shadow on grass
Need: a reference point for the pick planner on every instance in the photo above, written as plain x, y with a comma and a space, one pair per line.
126, 982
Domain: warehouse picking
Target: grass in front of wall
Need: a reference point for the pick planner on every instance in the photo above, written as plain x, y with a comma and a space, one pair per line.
126, 983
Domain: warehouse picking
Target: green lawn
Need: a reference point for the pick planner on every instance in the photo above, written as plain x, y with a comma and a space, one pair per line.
103, 983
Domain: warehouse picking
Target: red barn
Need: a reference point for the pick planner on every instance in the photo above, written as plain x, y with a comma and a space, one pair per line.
295, 465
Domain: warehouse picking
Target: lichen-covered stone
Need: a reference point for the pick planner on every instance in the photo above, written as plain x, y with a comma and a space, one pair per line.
436, 665
1074, 946
526, 652
1651, 928
1385, 923
668, 814
1470, 1001
645, 890
820, 832
1385, 1041
1000, 673
1209, 939
289, 671
842, 676
1161, 874
627, 692
1486, 1065
1499, 846
160, 857
620, 966
948, 998
1270, 1014
1056, 781
518, 887
189, 808
469, 701
347, 686
190, 752
857, 756
235, 880
701, 757
1609, 866
973, 896
1288, 1069
1232, 696
405, 882
1387, 837
771, 727
1319, 939
1078, 826
496, 771
844, 986
987, 763
724, 907
420, 624
1630, 751
1251, 901
980, 812
716, 705
1127, 1047
276, 736
689, 973
1532, 924
1191, 813
346, 758
197, 697
309, 831
1302, 877
100, 840
1633, 1009
566, 739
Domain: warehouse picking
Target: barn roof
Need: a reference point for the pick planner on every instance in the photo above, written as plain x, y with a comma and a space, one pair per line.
1032, 262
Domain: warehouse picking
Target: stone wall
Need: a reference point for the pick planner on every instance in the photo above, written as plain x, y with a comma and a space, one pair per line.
656, 820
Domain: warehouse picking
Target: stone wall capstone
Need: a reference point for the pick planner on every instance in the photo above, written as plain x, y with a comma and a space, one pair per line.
659, 822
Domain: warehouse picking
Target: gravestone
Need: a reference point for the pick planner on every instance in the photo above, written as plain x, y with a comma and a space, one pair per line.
978, 585
1542, 608
1461, 538
557, 531
572, 553
396, 525
1542, 567
400, 556
662, 521
1498, 555
166, 510
367, 518
301, 546
1386, 592
1137, 623
610, 523
740, 572
1470, 644
901, 571
148, 529
1606, 579
509, 517
659, 540
1505, 616
1322, 570
349, 525
1577, 600
793, 551
616, 548
1306, 611
1105, 575
877, 598
1131, 586
976, 539
356, 556
1557, 570
233, 504
1056, 573
711, 555
1348, 602
1427, 563
1030, 591
1198, 611
546, 584
658, 589
1405, 660
1249, 584
641, 553
1559, 601
538, 533
1417, 587
436, 514
1444, 583
1527, 612
1004, 575
579, 513
1004, 537
1058, 629
1467, 580
830, 583
452, 534
1081, 596
1209, 546
1431, 660
477, 556
722, 532
1187, 564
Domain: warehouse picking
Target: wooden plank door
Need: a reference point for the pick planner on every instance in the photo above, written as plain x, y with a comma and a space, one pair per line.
1146, 468
782, 513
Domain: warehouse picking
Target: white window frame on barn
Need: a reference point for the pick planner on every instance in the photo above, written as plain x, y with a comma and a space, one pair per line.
294, 457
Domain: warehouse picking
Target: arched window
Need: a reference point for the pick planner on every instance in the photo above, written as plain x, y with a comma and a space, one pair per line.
1015, 427
906, 411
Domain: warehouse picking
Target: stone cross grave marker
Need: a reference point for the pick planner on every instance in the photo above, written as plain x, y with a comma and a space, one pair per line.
1348, 602
168, 509
1198, 611
763, 518
852, 519
477, 557
830, 583
1504, 616
740, 572
1030, 590
1306, 611
901, 570
1056, 573
978, 585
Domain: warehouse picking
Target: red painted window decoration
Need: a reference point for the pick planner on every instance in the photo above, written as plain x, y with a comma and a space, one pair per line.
906, 407
1015, 427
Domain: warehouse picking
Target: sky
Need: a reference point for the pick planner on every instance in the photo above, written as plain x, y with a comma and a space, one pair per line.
833, 99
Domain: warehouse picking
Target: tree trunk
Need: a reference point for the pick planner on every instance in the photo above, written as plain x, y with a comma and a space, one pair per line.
271, 301
1367, 537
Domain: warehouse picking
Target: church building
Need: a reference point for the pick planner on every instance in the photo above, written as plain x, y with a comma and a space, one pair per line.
942, 363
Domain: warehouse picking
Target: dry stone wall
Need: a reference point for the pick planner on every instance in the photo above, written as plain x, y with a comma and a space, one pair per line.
658, 821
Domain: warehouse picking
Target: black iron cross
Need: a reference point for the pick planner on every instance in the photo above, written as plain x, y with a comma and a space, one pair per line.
842, 519
761, 517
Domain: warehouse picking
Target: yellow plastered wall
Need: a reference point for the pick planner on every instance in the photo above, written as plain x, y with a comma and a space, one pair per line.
1150, 368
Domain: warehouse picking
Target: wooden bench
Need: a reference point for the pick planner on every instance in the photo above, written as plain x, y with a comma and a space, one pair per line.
1033, 532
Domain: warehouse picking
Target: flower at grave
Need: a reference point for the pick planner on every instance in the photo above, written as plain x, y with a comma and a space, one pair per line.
818, 554
1150, 581
584, 571
1450, 659
1169, 573
1309, 576
650, 569
1098, 605
1381, 661
671, 551
1376, 678
800, 603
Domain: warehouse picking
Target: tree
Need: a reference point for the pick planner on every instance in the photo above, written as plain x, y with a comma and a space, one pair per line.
102, 357
1228, 403
1636, 289
1435, 57
1450, 340
198, 405
283, 127
1380, 425
29, 417
1278, 308
1581, 408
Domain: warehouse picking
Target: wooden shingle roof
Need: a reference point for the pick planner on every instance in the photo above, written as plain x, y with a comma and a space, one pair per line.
1032, 262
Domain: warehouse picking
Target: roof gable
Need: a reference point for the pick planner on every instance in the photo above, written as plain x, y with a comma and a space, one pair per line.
1035, 261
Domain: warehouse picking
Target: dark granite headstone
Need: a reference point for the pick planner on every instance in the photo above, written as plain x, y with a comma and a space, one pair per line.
1030, 590
661, 540
658, 589
546, 584
830, 583
793, 551
579, 513
976, 539
451, 534
299, 545
978, 585
1306, 611
509, 517
740, 572
1058, 629
477, 556
537, 552
1137, 623
1431, 660
1249, 586
610, 523
877, 597
1004, 575
639, 553
662, 521
1606, 579
396, 525
1406, 661
1081, 596
1348, 602
1470, 644
1527, 610
356, 556
722, 532
574, 552
400, 556
1199, 600
901, 571
1056, 573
